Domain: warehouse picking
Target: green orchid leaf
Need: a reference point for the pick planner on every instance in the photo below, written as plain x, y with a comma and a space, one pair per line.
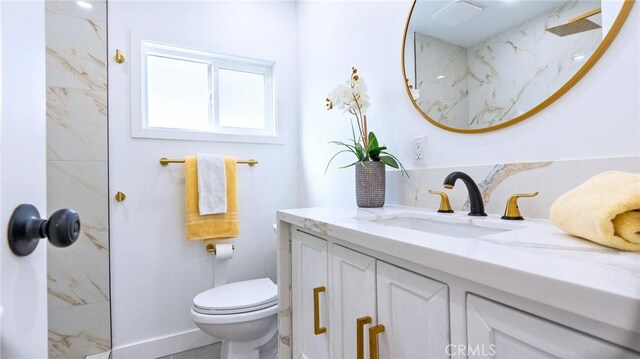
375, 153
404, 170
389, 161
350, 147
360, 152
331, 160
349, 165
373, 141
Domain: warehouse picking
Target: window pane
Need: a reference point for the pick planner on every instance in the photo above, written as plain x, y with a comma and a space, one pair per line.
241, 99
177, 93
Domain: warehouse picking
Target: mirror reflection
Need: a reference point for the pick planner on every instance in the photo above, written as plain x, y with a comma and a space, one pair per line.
481, 64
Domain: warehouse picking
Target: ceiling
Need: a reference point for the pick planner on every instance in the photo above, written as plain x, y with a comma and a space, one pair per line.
498, 16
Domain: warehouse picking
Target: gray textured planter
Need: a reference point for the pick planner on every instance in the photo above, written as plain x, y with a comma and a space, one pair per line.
370, 184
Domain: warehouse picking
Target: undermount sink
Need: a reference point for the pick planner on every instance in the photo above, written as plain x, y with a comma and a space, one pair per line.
461, 228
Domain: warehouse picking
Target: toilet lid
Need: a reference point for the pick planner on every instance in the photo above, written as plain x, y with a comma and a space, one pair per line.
239, 297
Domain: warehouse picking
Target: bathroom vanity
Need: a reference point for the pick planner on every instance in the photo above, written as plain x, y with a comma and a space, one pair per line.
399, 282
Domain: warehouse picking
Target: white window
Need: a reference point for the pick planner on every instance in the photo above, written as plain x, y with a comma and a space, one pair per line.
199, 95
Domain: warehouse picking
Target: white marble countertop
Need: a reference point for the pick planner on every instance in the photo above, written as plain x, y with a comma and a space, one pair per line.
536, 261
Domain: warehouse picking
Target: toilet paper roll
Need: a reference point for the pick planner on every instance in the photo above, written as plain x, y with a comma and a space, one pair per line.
224, 250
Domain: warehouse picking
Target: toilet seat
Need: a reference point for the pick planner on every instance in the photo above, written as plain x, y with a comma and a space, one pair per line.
236, 298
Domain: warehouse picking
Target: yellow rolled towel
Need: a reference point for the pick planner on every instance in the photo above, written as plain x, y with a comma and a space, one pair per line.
627, 226
604, 210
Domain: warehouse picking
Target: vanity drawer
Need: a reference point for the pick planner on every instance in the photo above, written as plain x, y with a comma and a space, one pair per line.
502, 331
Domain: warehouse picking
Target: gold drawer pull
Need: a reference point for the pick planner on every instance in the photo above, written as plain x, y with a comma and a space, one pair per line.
360, 323
373, 340
317, 329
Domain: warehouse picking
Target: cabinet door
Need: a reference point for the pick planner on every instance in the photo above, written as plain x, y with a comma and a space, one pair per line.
496, 330
415, 312
353, 296
309, 265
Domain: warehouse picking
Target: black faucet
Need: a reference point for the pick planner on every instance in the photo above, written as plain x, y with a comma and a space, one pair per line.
475, 197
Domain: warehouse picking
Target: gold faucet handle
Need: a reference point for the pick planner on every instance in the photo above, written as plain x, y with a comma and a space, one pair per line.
445, 205
512, 212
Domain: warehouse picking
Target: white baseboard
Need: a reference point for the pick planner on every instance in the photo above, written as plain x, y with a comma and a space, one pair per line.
163, 346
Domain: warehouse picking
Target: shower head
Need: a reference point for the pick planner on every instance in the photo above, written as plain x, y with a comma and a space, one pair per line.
576, 25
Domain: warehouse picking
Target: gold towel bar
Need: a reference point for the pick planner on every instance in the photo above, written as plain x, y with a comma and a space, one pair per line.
165, 161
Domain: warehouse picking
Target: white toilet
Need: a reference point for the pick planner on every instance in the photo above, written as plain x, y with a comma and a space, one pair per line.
242, 314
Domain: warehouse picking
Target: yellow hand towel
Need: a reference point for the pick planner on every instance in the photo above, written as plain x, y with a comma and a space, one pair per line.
213, 226
603, 210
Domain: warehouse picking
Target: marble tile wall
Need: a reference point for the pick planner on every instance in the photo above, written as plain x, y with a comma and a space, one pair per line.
78, 276
505, 75
512, 72
442, 80
497, 182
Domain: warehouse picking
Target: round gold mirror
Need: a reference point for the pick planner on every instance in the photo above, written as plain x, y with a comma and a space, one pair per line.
481, 65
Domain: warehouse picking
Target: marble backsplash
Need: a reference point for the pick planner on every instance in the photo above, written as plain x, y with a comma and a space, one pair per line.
497, 182
78, 276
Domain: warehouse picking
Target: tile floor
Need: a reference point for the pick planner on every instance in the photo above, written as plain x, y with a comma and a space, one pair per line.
207, 352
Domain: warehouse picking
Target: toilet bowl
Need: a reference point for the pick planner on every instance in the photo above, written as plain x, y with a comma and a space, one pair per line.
242, 314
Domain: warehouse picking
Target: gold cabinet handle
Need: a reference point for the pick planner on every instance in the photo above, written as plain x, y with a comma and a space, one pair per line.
120, 196
373, 340
360, 323
445, 205
512, 212
317, 329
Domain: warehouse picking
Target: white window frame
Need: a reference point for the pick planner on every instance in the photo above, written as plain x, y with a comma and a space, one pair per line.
139, 121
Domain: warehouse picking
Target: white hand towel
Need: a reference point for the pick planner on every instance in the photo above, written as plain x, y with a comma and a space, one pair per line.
212, 184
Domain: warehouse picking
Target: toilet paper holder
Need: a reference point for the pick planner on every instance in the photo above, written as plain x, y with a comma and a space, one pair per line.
211, 248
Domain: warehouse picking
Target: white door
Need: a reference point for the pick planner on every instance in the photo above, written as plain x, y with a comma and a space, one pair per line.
23, 175
352, 293
415, 312
309, 297
498, 331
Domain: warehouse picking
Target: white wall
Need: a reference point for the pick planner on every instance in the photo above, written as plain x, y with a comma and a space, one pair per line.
599, 117
155, 271
24, 279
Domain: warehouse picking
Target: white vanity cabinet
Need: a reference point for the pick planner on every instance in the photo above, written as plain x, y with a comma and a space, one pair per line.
531, 292
353, 301
309, 280
494, 329
370, 302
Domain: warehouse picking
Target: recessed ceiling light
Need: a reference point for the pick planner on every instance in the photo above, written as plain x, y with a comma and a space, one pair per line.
84, 4
578, 57
440, 77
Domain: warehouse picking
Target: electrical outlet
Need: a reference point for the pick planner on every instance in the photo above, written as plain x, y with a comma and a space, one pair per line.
420, 148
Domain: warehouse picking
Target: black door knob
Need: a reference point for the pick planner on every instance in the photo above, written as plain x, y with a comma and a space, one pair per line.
26, 228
